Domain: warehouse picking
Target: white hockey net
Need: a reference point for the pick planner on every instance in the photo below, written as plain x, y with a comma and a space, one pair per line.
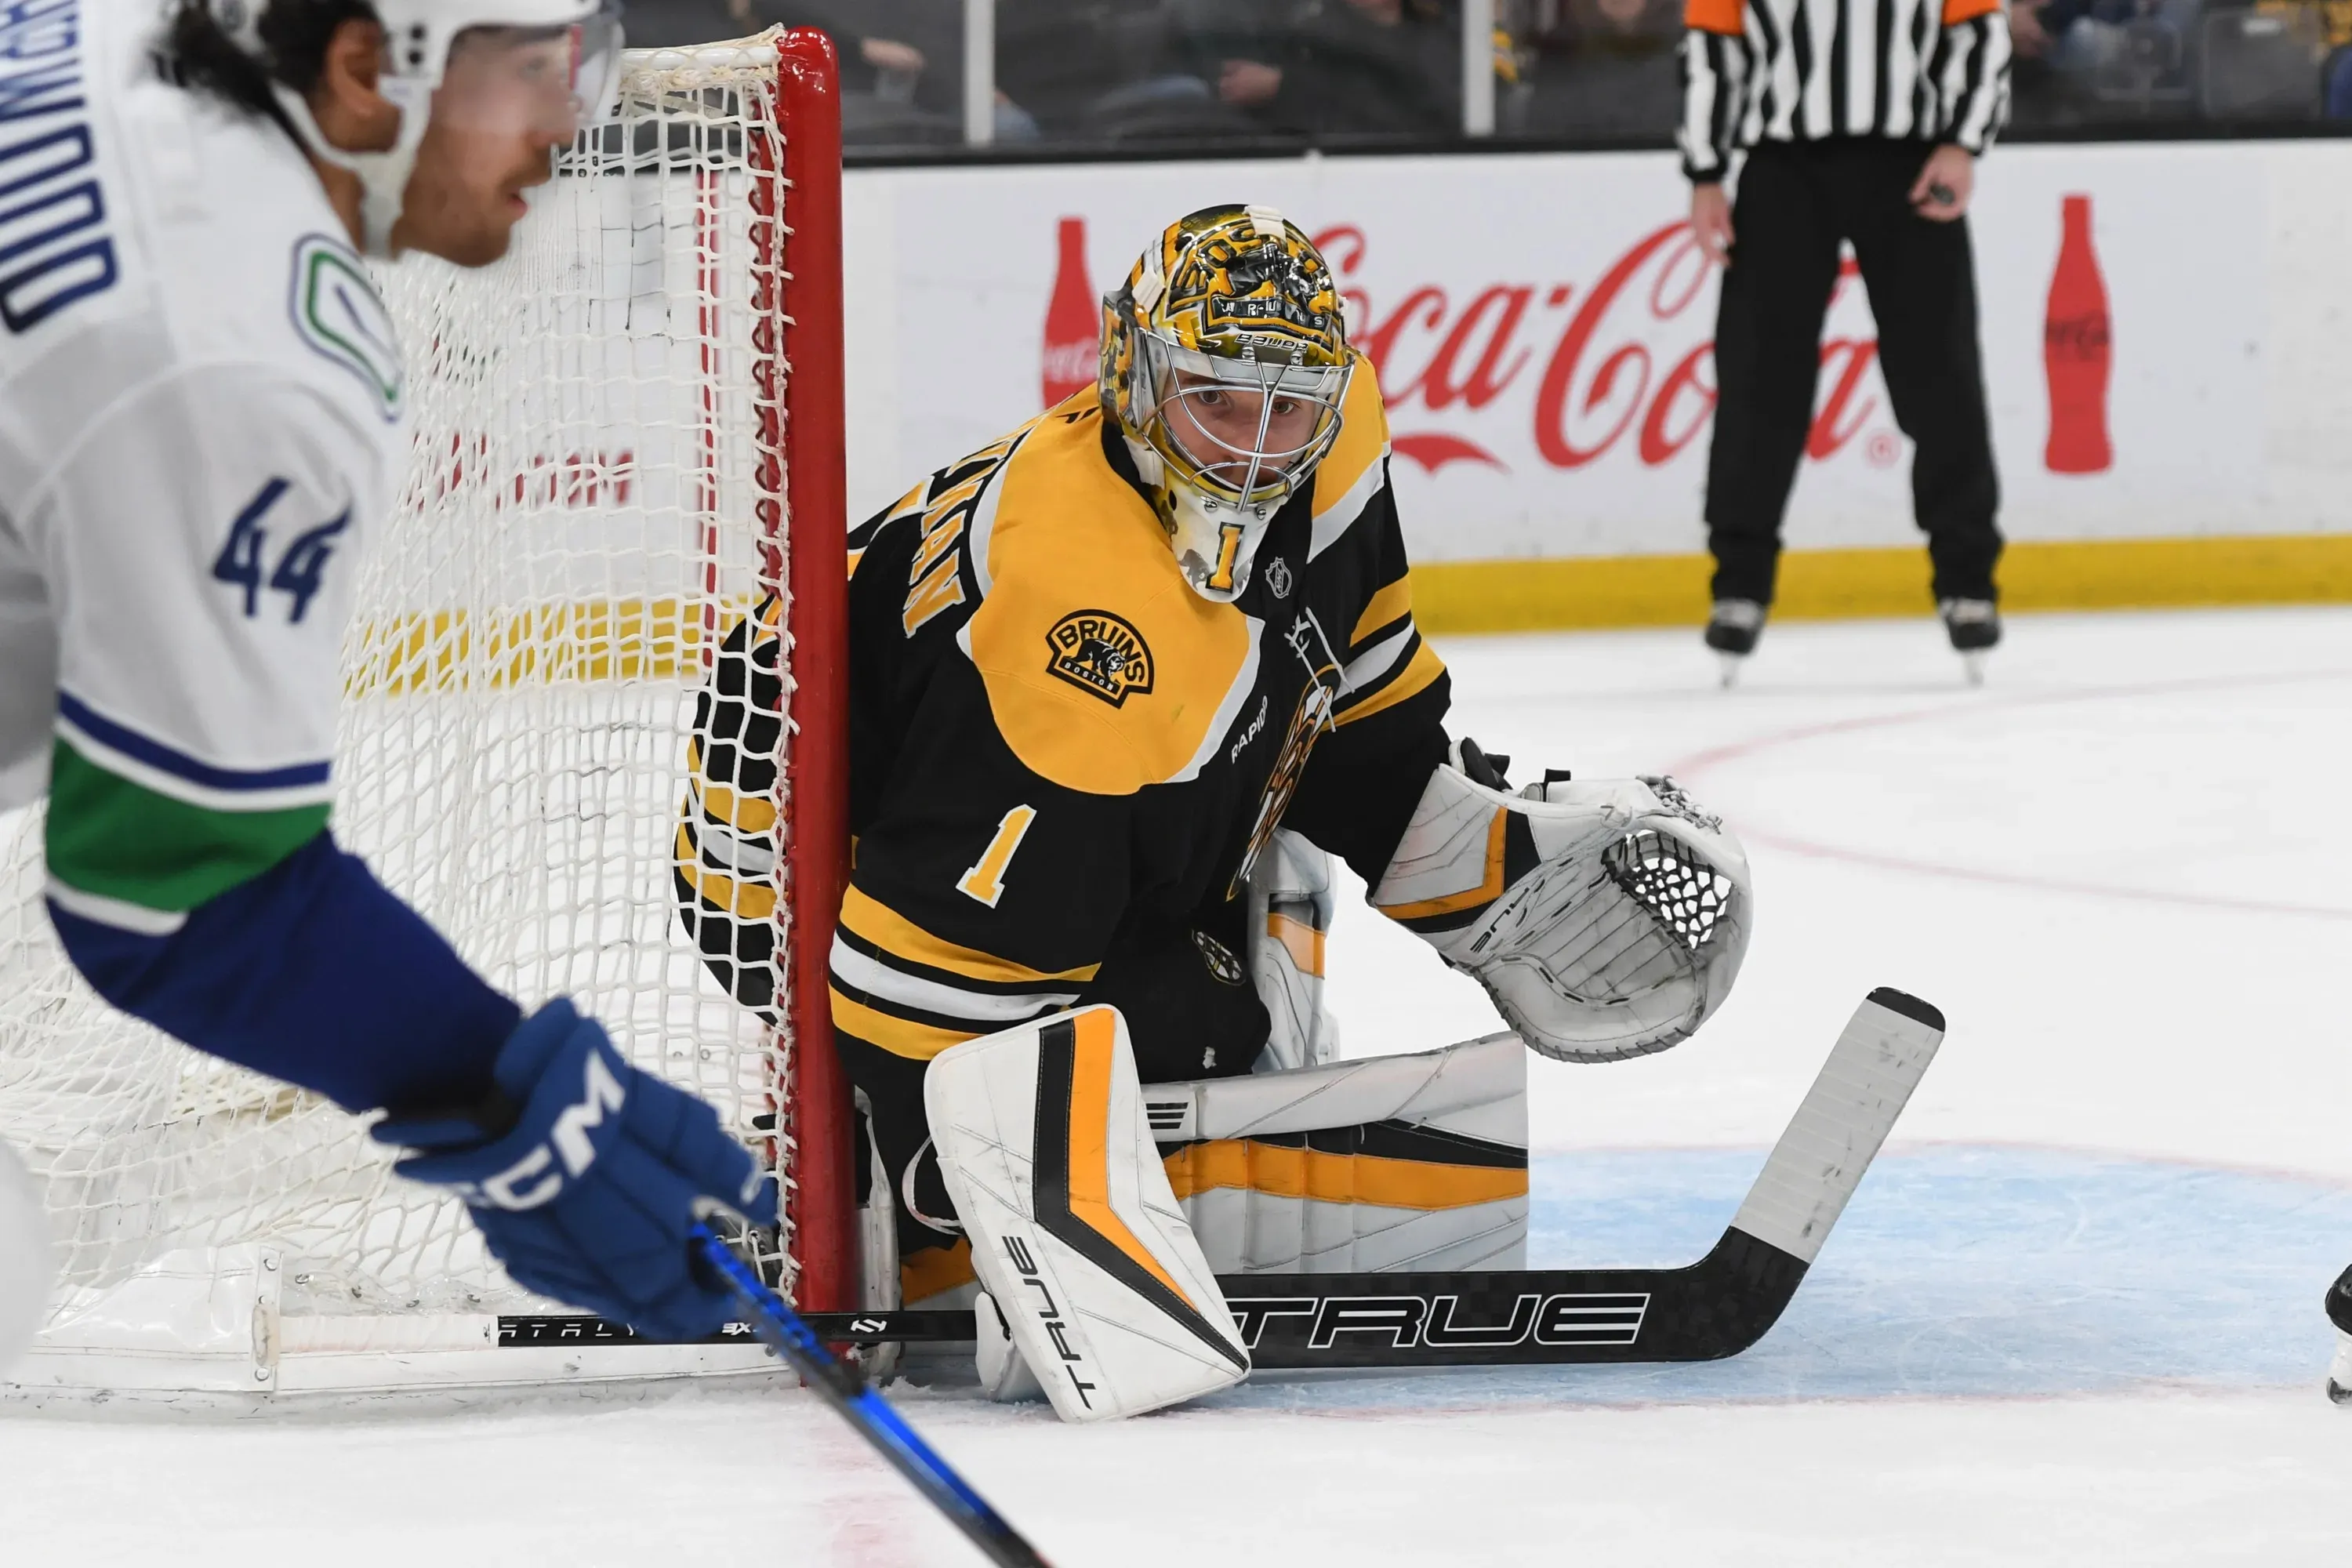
595, 500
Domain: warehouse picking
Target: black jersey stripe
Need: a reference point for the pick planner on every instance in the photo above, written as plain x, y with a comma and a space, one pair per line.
954, 979
1390, 1140
908, 1014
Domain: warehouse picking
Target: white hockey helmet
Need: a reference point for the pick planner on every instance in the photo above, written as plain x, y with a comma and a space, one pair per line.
419, 35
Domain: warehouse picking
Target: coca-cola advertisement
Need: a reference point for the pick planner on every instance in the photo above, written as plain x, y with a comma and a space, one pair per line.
2077, 351
1542, 327
1072, 320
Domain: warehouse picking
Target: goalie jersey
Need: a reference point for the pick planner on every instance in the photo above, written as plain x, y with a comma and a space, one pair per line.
1065, 761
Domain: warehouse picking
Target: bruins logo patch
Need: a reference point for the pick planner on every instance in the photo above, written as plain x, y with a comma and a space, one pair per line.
1100, 654
1220, 959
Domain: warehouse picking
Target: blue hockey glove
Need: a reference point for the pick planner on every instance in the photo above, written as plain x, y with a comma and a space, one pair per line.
589, 1194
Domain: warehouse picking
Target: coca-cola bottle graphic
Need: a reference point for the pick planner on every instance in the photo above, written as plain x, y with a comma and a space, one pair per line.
1073, 320
2077, 351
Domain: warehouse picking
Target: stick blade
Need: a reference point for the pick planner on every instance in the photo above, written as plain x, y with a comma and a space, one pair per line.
1845, 1117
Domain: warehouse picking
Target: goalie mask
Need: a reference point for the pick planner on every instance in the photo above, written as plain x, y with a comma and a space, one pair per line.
1225, 363
544, 67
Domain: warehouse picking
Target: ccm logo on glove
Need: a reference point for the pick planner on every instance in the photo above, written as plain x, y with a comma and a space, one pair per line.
591, 1191
601, 1093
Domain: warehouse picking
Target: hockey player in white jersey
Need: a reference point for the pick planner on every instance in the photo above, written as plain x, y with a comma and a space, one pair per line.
201, 427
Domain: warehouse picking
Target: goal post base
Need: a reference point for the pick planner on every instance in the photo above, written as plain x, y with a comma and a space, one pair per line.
206, 1329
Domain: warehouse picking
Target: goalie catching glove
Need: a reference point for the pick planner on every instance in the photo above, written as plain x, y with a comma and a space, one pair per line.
589, 1194
1606, 919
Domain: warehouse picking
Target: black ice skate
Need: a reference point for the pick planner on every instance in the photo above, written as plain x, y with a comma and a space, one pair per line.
1732, 631
2339, 1312
1974, 626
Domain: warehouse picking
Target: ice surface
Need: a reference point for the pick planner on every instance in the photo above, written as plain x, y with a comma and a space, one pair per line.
2072, 1317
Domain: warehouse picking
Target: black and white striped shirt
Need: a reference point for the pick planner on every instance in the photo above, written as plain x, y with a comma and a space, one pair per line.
1803, 71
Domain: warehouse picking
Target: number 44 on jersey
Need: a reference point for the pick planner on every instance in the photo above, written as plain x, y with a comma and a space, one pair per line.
299, 570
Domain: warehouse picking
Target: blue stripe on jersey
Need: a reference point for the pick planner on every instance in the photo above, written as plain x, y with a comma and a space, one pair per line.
179, 764
313, 974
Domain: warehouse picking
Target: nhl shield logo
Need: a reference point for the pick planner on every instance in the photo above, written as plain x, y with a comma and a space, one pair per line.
1099, 654
1278, 577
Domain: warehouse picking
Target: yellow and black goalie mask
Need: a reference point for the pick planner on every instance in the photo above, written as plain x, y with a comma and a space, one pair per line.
1226, 361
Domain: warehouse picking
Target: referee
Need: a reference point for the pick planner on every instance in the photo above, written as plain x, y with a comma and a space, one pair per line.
1863, 120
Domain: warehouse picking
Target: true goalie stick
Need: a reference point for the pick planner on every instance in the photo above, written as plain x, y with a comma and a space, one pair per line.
840, 1384
1715, 1308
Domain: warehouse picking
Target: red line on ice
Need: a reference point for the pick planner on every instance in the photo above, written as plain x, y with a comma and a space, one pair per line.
1700, 762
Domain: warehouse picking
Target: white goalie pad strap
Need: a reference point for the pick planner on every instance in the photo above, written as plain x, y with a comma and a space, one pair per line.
1290, 917
1394, 1163
1005, 1374
1606, 919
27, 1259
1076, 1235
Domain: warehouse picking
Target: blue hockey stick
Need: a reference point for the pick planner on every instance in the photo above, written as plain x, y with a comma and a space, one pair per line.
782, 1330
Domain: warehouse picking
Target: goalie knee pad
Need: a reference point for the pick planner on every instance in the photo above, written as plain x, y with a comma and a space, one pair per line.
1606, 920
1076, 1235
28, 1259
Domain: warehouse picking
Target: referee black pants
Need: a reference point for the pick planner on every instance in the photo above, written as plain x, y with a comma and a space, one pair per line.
1795, 204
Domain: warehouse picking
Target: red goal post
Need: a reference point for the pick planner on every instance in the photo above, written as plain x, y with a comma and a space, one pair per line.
815, 456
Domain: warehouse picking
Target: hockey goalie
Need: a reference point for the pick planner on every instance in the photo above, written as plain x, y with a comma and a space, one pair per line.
1121, 683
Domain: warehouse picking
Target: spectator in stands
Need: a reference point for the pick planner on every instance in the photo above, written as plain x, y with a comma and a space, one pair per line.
1353, 67
2335, 84
902, 68
1107, 69
901, 60
1609, 70
2133, 51
678, 23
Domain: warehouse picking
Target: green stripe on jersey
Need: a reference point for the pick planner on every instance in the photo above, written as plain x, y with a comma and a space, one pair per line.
119, 840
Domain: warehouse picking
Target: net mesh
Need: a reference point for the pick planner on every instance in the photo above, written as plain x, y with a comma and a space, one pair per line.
597, 495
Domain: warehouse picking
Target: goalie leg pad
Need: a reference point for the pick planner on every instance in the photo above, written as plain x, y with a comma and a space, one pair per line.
1390, 1163
1076, 1236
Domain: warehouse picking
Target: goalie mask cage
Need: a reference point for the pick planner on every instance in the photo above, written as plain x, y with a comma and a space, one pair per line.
627, 436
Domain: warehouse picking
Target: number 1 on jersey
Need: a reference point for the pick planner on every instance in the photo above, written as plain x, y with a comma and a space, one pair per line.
985, 880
